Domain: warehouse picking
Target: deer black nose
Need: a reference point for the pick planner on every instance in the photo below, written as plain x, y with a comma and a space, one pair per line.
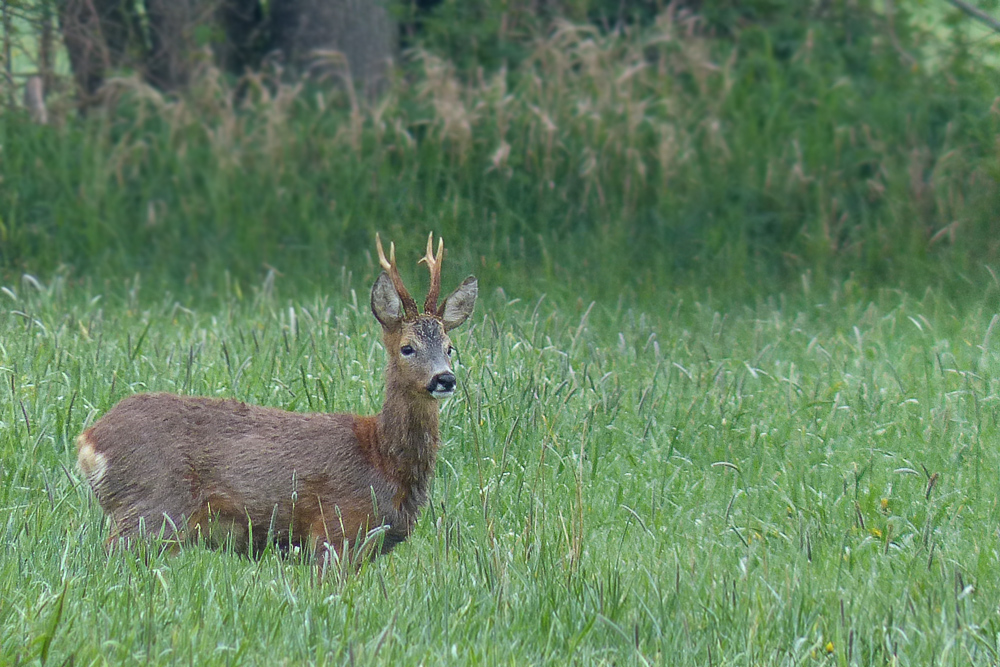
442, 383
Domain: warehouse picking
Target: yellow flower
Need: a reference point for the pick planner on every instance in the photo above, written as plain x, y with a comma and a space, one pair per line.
829, 647
876, 533
884, 504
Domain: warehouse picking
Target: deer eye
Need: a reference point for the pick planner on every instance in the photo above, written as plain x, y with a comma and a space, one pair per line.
407, 350
450, 350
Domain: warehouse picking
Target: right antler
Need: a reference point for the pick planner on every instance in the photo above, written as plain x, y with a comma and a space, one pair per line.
434, 264
409, 305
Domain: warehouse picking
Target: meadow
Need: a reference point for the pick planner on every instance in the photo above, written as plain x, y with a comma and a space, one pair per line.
730, 395
808, 479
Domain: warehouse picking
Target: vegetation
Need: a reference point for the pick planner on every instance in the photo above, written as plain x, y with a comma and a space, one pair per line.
766, 155
808, 479
730, 395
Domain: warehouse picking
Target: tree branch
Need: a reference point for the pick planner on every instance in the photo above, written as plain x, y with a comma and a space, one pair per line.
890, 14
977, 14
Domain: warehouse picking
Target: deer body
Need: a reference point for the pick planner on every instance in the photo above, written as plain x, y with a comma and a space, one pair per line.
224, 470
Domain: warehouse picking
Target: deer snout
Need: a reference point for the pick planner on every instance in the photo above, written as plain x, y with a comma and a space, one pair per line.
442, 384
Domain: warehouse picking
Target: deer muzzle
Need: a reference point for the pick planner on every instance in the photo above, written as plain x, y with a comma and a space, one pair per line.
442, 385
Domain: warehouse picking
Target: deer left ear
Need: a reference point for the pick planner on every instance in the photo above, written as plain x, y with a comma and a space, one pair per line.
459, 304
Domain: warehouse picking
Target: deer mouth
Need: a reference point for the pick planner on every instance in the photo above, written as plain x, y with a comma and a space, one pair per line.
439, 391
442, 386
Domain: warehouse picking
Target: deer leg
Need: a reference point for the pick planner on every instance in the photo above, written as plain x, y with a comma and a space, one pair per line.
126, 527
218, 529
327, 546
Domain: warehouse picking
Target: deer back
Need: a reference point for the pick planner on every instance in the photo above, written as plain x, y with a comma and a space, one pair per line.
192, 459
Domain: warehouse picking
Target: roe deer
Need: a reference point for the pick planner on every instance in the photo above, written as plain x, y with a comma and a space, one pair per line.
186, 467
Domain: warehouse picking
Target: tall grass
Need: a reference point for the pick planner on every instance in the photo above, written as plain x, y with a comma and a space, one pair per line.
636, 471
764, 155
807, 479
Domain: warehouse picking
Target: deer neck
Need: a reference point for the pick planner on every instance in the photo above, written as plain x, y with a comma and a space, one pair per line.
408, 437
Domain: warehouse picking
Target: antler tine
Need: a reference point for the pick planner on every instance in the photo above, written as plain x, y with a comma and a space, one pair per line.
409, 305
381, 253
434, 264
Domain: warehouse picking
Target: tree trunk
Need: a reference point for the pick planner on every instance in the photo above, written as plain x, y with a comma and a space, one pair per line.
7, 60
46, 50
97, 34
34, 100
172, 26
243, 25
362, 30
181, 30
103, 35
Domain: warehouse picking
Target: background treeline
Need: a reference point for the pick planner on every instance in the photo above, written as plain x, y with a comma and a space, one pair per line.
594, 143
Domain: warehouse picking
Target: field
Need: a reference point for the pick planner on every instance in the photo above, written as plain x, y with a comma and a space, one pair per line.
808, 479
730, 395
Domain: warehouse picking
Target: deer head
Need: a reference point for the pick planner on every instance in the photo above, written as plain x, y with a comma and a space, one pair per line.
417, 345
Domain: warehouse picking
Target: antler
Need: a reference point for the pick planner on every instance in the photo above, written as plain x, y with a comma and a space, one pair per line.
409, 305
434, 264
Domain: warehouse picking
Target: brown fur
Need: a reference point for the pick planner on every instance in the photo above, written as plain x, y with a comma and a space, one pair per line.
225, 471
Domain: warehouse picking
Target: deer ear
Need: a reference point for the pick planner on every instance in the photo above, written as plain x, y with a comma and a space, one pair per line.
459, 304
386, 304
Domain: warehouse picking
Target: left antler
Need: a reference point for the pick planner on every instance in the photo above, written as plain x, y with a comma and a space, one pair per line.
409, 305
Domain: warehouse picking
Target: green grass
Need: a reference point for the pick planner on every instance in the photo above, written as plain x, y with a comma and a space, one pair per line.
694, 483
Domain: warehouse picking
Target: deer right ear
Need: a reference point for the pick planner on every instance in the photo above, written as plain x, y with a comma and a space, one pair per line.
386, 304
459, 304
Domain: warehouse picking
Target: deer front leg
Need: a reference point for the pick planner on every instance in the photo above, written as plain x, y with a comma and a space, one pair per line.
327, 547
333, 549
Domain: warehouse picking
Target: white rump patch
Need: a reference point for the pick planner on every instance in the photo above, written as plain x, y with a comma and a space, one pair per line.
93, 464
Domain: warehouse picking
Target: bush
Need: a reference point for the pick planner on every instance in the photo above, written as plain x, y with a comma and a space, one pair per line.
642, 153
